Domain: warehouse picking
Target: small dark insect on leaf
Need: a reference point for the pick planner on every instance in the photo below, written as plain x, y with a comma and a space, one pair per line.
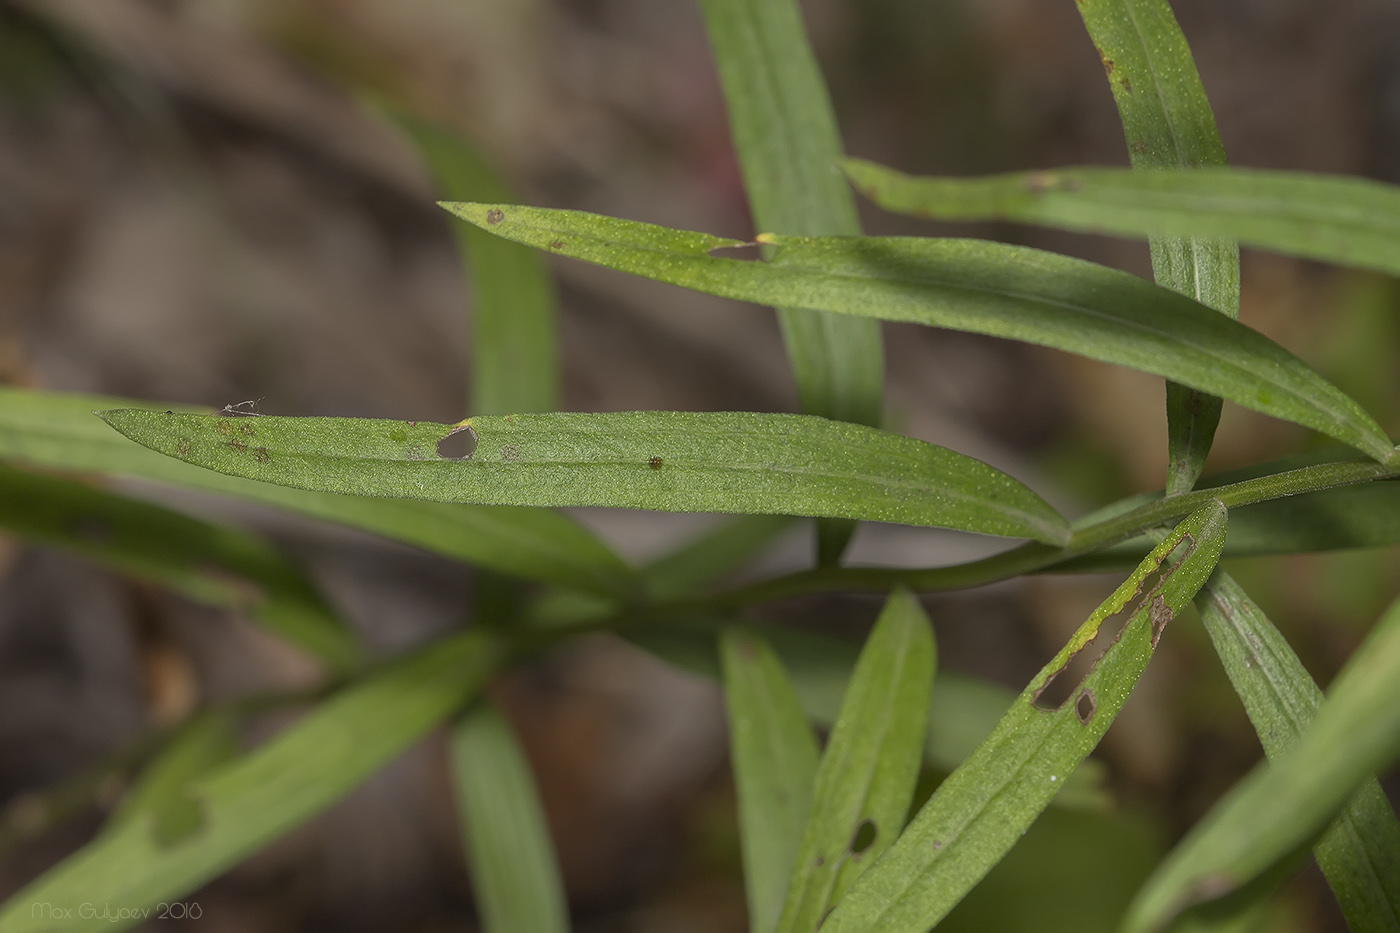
655, 463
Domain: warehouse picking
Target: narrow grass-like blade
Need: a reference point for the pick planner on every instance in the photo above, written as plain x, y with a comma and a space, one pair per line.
509, 853
1332, 218
982, 809
162, 793
249, 803
774, 755
1282, 806
1168, 123
866, 777
59, 431
1360, 852
970, 285
788, 144
514, 337
712, 555
211, 564
734, 462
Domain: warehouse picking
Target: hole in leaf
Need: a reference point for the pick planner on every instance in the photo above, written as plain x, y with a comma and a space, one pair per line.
458, 444
1085, 706
864, 837
746, 252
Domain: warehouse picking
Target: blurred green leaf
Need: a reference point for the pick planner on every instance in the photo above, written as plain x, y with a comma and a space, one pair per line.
211, 564
1332, 218
970, 285
1360, 853
712, 555
58, 431
1266, 820
866, 776
1168, 123
514, 345
774, 756
258, 798
788, 144
162, 792
984, 807
509, 851
669, 461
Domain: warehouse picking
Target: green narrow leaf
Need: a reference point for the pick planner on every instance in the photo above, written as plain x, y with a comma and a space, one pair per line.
975, 286
985, 806
670, 461
162, 793
866, 776
514, 347
775, 763
1331, 218
210, 564
1282, 806
58, 431
1360, 852
256, 799
1168, 123
788, 144
509, 852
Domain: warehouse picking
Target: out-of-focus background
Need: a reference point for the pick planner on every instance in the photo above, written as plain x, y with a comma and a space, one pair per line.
195, 205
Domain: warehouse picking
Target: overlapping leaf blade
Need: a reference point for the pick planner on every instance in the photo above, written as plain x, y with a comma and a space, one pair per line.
211, 564
1266, 819
1168, 122
509, 852
788, 144
970, 285
672, 461
1339, 219
774, 755
252, 801
980, 811
59, 431
1360, 853
866, 776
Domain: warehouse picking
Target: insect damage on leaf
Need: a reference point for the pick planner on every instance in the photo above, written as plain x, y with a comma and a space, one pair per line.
459, 443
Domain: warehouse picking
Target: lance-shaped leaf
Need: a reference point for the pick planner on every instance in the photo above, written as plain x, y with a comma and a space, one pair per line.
59, 432
866, 776
1332, 218
1168, 123
210, 564
970, 285
775, 764
788, 144
254, 800
983, 808
514, 873
669, 461
1264, 821
1360, 852
514, 338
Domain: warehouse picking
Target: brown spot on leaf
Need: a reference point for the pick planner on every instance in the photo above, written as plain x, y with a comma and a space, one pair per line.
1127, 85
1107, 64
1159, 614
655, 463
556, 244
182, 447
510, 453
260, 454
495, 216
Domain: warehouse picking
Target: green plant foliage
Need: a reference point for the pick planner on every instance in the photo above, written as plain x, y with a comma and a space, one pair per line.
1263, 823
252, 801
775, 763
866, 776
970, 285
671, 461
1360, 852
59, 432
788, 144
514, 339
210, 564
1167, 123
1330, 218
509, 852
983, 808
